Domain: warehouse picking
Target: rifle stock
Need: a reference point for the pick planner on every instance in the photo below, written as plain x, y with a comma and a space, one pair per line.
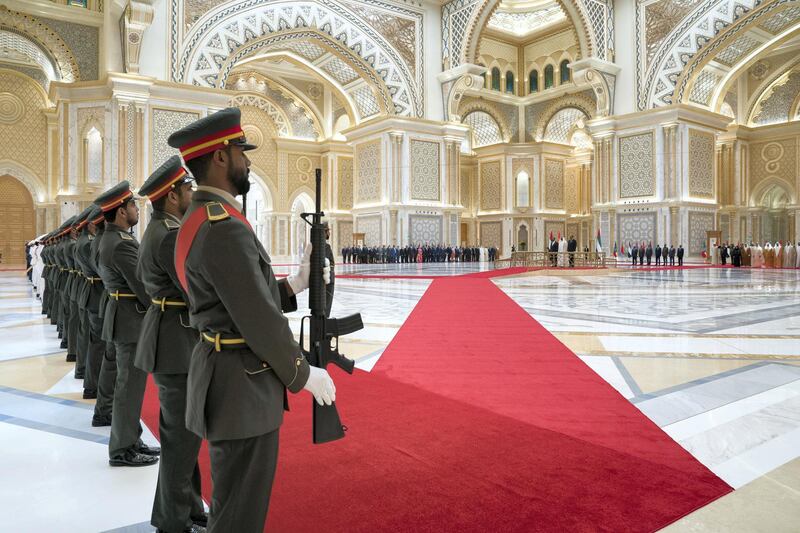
323, 331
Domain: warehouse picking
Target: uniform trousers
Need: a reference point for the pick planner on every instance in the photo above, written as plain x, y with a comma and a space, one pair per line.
243, 471
178, 490
128, 396
95, 351
78, 328
107, 380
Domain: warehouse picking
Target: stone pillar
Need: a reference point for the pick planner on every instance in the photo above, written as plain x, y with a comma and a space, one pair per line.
674, 226
670, 190
395, 173
394, 236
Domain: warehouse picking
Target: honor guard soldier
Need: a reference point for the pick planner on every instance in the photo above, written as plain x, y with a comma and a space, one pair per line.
127, 303
88, 299
247, 357
77, 315
107, 378
60, 286
165, 347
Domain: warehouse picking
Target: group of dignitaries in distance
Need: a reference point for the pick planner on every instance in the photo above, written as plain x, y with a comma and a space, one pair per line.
769, 255
428, 253
197, 305
645, 252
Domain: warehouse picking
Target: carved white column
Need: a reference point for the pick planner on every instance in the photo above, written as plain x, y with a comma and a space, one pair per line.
138, 16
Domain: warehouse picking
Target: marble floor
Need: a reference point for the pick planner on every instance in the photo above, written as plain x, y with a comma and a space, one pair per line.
711, 355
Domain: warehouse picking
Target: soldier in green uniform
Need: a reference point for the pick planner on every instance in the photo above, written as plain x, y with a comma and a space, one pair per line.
77, 327
248, 357
107, 377
88, 300
127, 304
165, 347
60, 313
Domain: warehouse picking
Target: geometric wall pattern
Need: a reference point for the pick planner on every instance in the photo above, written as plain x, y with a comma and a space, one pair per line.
345, 233
370, 226
699, 223
424, 170
23, 118
636, 228
165, 123
774, 159
701, 164
485, 130
636, 165
368, 164
554, 184
345, 189
492, 235
425, 229
490, 185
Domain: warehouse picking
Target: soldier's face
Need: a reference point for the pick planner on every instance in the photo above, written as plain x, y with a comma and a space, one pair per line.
239, 170
184, 197
132, 213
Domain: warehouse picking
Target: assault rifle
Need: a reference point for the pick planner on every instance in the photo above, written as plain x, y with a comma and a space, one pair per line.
324, 333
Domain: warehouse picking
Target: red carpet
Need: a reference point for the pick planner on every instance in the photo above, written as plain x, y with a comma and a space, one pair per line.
478, 419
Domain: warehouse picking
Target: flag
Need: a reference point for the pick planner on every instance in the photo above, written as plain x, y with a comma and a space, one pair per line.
615, 248
598, 243
622, 249
559, 235
551, 235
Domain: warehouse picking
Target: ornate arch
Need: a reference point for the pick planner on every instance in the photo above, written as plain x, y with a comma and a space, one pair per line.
659, 86
768, 183
282, 122
483, 105
464, 20
232, 32
265, 183
700, 85
584, 104
64, 62
25, 176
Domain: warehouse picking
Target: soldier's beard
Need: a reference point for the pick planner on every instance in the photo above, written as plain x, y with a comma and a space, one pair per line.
239, 179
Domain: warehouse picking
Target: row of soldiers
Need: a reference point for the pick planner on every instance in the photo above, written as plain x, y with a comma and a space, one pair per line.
197, 305
646, 252
437, 253
754, 255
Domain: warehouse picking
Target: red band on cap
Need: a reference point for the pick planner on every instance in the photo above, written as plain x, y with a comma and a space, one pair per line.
119, 200
155, 195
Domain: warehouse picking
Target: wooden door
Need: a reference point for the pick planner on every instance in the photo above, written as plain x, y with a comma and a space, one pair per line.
16, 221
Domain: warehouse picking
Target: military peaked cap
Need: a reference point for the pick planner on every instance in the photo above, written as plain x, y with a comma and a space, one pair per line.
164, 179
214, 132
65, 227
114, 197
82, 219
96, 216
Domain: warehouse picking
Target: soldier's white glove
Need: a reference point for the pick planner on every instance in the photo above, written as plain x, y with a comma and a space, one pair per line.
320, 385
299, 282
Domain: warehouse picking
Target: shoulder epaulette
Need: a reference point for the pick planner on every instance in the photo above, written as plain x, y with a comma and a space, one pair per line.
171, 224
216, 211
125, 236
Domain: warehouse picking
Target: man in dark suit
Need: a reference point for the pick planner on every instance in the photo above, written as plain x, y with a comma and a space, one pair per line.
635, 253
658, 254
641, 255
723, 254
572, 246
648, 253
672, 255
553, 252
664, 254
680, 255
247, 357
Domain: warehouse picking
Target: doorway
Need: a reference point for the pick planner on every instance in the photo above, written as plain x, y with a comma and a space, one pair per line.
16, 222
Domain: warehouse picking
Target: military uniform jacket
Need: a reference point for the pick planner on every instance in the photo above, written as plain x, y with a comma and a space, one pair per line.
94, 257
119, 255
69, 264
167, 338
232, 290
88, 295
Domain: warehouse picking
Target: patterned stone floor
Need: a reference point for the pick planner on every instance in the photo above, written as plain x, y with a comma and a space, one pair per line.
710, 355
